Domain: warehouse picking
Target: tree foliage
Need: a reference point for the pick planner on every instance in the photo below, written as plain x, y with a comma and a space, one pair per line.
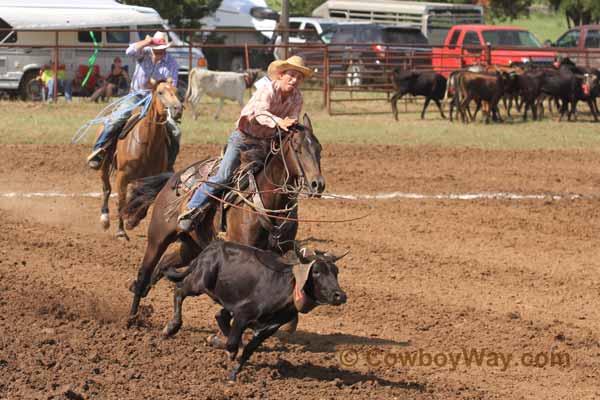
179, 13
578, 12
297, 7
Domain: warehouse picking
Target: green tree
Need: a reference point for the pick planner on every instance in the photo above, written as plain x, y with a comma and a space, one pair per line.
180, 13
578, 12
297, 7
508, 9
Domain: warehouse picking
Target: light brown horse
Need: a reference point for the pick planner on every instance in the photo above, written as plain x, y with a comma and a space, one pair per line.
296, 161
143, 152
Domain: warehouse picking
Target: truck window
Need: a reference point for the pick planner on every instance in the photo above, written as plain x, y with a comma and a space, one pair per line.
309, 33
569, 39
295, 26
471, 42
404, 36
343, 35
454, 39
6, 36
510, 38
592, 39
118, 37
85, 37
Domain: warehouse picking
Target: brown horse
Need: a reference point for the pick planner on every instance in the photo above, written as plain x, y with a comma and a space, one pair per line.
143, 152
295, 161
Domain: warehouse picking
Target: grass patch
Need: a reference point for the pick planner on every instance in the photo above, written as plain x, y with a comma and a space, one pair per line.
543, 26
371, 123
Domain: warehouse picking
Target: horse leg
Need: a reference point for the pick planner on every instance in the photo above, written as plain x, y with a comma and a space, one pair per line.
121, 183
177, 256
106, 189
140, 287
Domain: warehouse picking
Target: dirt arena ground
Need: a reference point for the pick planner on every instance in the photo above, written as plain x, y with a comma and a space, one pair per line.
436, 278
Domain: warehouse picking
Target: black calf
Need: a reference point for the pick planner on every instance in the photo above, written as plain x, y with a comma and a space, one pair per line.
258, 289
428, 84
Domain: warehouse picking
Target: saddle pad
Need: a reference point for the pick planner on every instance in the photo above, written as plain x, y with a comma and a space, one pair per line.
130, 124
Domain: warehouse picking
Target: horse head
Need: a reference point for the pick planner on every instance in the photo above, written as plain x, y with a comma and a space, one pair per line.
302, 155
166, 98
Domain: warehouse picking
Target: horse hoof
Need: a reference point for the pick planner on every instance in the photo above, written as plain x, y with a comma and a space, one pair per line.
105, 221
121, 234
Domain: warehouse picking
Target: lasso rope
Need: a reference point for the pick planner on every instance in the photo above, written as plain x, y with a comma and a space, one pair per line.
92, 60
283, 218
112, 112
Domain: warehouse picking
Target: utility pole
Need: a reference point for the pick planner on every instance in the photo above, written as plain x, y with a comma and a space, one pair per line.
284, 23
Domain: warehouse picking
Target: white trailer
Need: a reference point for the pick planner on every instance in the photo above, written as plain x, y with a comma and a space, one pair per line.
21, 63
433, 19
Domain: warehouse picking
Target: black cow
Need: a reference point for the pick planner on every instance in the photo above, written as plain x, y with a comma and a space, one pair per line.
258, 289
429, 84
561, 86
530, 88
481, 87
588, 89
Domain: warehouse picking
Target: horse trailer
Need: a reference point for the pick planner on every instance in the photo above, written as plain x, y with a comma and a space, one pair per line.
433, 19
28, 27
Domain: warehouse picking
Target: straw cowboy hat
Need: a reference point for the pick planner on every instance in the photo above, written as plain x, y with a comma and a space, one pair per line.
160, 41
294, 62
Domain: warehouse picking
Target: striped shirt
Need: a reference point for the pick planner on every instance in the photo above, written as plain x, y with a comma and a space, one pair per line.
144, 69
266, 108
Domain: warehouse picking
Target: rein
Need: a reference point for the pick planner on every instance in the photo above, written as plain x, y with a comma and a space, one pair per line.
282, 218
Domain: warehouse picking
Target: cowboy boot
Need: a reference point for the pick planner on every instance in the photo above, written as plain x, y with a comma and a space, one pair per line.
95, 159
192, 217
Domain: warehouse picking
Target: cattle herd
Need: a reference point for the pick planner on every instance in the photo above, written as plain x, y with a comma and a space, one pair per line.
563, 84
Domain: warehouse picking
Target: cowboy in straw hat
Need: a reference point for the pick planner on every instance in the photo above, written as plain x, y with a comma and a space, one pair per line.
153, 63
275, 104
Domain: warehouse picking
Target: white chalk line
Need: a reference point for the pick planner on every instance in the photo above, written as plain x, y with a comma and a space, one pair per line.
378, 196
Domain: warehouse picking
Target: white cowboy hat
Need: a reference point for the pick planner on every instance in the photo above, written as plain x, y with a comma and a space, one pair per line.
294, 62
160, 41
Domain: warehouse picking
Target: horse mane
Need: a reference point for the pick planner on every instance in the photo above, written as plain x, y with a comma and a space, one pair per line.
256, 150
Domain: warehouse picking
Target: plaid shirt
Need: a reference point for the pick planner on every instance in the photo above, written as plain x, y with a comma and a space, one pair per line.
144, 69
266, 108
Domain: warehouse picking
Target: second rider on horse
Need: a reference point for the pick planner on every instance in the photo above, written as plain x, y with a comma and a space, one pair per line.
276, 104
153, 64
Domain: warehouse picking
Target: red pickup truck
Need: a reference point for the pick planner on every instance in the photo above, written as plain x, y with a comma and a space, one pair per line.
468, 44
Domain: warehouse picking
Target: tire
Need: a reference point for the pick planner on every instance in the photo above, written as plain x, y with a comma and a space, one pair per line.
28, 88
354, 75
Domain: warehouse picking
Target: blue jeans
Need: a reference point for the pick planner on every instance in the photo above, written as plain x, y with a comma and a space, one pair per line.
118, 120
65, 84
230, 162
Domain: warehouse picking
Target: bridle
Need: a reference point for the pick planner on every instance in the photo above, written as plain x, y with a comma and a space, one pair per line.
278, 143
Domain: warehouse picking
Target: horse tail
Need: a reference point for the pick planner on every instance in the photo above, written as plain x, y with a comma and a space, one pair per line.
141, 194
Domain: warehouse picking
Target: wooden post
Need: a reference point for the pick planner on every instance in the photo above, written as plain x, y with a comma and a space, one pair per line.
247, 56
327, 79
55, 68
284, 23
190, 66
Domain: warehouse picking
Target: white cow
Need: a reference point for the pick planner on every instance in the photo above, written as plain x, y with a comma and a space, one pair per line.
218, 84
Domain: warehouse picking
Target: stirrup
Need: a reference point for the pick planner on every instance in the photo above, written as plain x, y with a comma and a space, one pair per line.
191, 217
